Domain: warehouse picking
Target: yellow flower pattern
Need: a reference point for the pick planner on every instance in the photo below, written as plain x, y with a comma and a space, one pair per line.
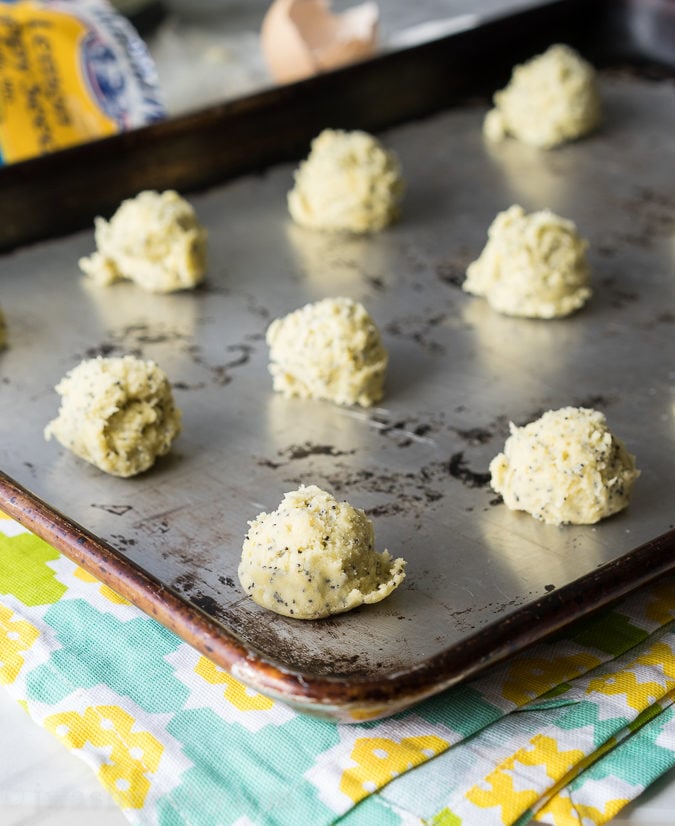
379, 759
640, 694
133, 754
235, 692
104, 590
660, 607
501, 791
16, 636
530, 677
564, 812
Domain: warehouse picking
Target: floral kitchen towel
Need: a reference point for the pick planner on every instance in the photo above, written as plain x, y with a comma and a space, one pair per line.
567, 732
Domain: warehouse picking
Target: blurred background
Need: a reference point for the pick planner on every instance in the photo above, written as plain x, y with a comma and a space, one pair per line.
207, 51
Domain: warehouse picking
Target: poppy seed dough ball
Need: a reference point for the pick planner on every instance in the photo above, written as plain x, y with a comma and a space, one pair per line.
348, 183
154, 240
116, 413
551, 99
315, 556
533, 265
565, 468
331, 350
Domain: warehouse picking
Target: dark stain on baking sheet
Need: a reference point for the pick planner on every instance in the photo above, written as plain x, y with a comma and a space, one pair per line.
190, 586
272, 632
652, 216
375, 282
457, 467
261, 461
666, 317
188, 554
475, 435
185, 583
256, 308
132, 339
452, 271
221, 374
595, 402
115, 510
405, 431
142, 334
121, 542
398, 430
419, 328
387, 509
465, 618
308, 449
406, 493
208, 604
104, 349
409, 493
183, 385
617, 296
501, 424
298, 452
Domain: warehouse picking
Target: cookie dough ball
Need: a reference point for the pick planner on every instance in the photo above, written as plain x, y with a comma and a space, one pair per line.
315, 556
549, 100
117, 413
154, 240
328, 350
532, 265
565, 468
349, 182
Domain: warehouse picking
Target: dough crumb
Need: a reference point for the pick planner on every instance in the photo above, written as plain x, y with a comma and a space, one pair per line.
349, 182
551, 99
328, 350
315, 556
565, 468
154, 240
117, 413
532, 265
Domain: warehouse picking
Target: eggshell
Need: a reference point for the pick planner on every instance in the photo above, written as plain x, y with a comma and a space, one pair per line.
302, 37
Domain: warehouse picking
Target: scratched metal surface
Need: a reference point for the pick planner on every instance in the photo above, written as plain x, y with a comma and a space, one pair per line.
458, 373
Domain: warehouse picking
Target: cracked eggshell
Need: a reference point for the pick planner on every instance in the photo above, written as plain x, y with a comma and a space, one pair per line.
300, 38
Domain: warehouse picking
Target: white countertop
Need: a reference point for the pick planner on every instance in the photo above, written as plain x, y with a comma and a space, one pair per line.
41, 783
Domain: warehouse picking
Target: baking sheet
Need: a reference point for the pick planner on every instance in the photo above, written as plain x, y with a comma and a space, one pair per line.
458, 374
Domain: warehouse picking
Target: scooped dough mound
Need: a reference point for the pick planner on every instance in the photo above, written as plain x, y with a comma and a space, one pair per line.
532, 265
117, 413
154, 240
328, 350
550, 99
349, 182
315, 556
565, 468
